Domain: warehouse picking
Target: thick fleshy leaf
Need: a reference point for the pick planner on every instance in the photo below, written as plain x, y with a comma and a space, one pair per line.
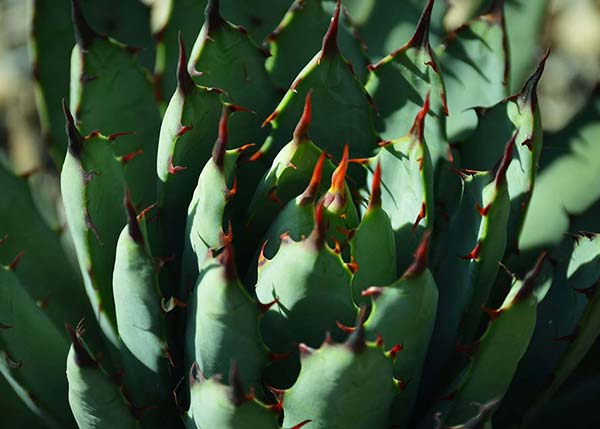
290, 53
338, 98
501, 347
399, 85
474, 63
32, 353
567, 183
51, 42
518, 116
102, 71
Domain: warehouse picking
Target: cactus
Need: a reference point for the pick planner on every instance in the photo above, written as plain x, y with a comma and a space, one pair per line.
274, 233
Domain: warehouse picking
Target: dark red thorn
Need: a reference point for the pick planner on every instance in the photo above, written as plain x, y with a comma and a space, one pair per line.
353, 266
185, 83
473, 254
169, 357
344, 328
339, 175
230, 193
418, 127
75, 139
265, 307
272, 195
395, 350
115, 136
311, 192
530, 279
420, 216
483, 211
301, 131
142, 214
327, 340
375, 201
361, 161
320, 230
449, 397
83, 358
529, 92
356, 341
568, 338
588, 291
383, 143
227, 260
492, 313
529, 143
300, 425
467, 349
236, 393
330, 46
84, 35
133, 226
373, 291
262, 260
212, 16
174, 169
183, 129
3, 326
421, 262
276, 357
227, 237
271, 118
126, 158
502, 167
305, 350
220, 146
421, 36
15, 262
379, 341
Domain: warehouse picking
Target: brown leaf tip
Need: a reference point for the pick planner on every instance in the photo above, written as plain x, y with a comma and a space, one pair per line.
330, 46
133, 225
530, 280
420, 37
212, 16
312, 190
375, 201
420, 262
504, 163
529, 92
218, 153
84, 34
185, 83
301, 131
75, 138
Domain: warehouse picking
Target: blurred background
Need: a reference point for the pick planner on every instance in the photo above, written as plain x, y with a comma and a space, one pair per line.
570, 27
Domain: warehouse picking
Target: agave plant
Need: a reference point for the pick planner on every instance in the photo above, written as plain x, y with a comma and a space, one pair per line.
307, 234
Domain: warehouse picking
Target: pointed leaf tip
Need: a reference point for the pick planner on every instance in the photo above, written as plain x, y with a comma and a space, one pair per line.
529, 92
338, 179
133, 226
420, 262
530, 279
84, 34
330, 45
376, 188
301, 131
185, 82
320, 230
212, 15
356, 341
75, 139
420, 37
218, 153
83, 358
301, 425
418, 128
312, 190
